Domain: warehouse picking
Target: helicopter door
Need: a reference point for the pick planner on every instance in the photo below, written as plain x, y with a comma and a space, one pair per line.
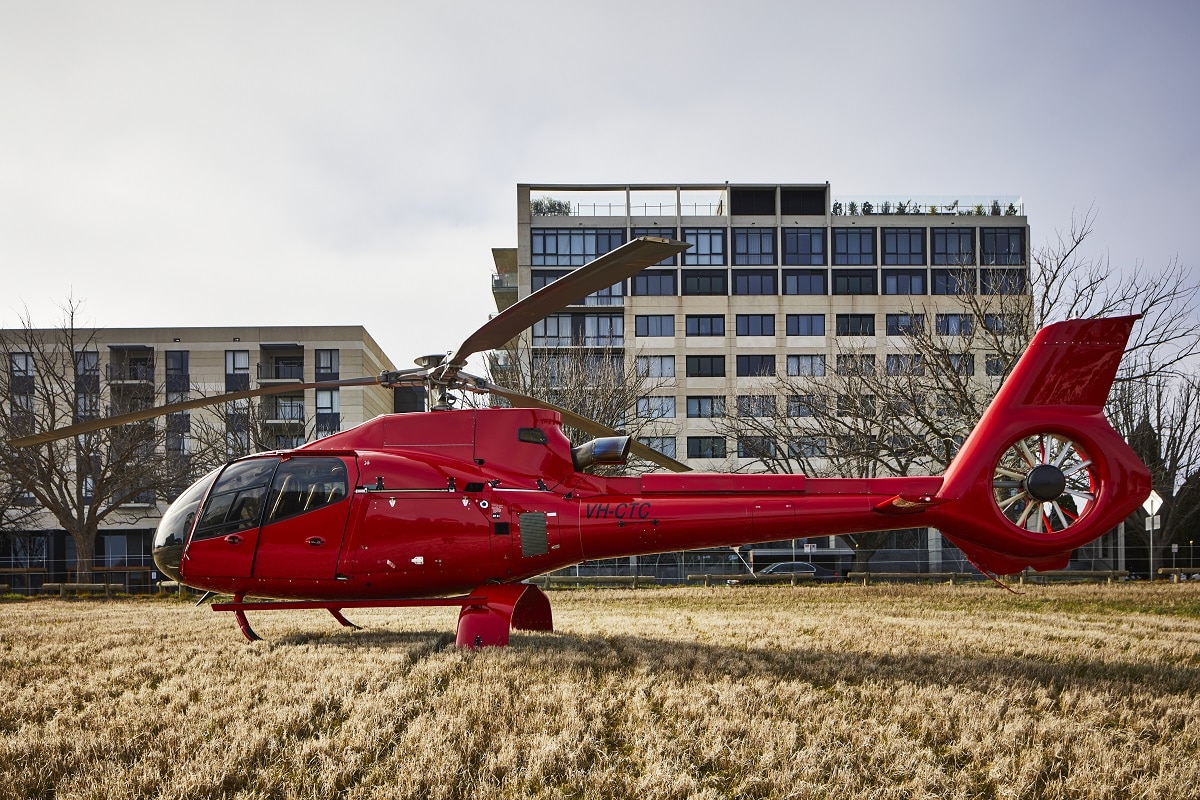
305, 518
223, 542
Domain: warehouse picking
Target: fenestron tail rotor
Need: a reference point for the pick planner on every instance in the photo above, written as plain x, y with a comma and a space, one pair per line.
1045, 483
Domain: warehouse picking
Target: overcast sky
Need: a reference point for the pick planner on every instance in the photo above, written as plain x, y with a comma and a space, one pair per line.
271, 163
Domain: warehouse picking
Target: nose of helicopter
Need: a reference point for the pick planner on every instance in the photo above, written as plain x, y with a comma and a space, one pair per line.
176, 524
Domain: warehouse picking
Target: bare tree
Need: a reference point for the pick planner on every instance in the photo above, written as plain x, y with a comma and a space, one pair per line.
1162, 417
864, 411
54, 377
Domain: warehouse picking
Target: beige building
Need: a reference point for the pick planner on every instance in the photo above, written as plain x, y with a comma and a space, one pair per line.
781, 280
123, 369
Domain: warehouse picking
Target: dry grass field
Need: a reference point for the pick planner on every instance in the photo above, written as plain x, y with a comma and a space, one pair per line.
816, 691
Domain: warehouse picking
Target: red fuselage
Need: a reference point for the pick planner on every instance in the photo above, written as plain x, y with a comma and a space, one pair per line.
442, 502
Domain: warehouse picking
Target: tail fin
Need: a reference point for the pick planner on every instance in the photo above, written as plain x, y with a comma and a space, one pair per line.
1044, 472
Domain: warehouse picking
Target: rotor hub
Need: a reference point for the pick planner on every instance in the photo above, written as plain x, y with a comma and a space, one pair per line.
1045, 482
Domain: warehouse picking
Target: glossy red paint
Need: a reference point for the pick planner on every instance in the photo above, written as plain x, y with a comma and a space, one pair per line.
476, 501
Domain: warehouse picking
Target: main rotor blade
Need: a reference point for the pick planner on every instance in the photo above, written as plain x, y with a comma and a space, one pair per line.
590, 426
101, 423
610, 268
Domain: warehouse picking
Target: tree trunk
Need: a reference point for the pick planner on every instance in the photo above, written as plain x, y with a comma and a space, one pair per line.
85, 557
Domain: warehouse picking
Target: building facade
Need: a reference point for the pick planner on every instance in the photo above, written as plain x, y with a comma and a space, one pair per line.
127, 369
780, 281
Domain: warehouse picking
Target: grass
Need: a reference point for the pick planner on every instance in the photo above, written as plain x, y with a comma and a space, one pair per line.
819, 691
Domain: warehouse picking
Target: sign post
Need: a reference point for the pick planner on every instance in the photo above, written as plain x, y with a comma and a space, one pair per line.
1152, 505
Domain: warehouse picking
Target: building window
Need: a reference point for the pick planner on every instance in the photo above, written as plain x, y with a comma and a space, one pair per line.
756, 447
705, 325
905, 324
1002, 323
656, 366
541, 278
953, 324
329, 417
704, 282
994, 365
753, 246
905, 364
855, 324
953, 281
853, 246
705, 447
20, 365
755, 324
1002, 246
854, 364
327, 364
807, 447
237, 370
903, 246
1001, 281
655, 407
705, 366
756, 405
603, 330
805, 324
572, 247
805, 281
804, 246
654, 325
962, 363
755, 281
804, 405
707, 246
754, 366
654, 283
660, 444
854, 281
662, 233
953, 246
806, 364
904, 281
553, 331
705, 407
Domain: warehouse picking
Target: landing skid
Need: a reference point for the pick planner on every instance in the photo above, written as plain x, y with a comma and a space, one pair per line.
486, 617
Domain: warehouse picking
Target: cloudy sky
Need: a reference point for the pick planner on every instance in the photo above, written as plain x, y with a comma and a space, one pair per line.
353, 163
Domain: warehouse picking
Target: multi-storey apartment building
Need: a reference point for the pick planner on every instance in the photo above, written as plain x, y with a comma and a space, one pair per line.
126, 369
779, 280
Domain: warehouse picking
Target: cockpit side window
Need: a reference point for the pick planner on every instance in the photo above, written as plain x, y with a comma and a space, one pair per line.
305, 484
236, 500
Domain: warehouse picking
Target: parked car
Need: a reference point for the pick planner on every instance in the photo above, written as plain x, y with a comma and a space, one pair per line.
802, 568
798, 568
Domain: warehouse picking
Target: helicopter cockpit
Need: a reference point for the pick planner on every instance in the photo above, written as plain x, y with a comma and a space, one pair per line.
244, 496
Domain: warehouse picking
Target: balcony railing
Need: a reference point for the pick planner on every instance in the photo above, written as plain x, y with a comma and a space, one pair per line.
281, 371
505, 282
129, 373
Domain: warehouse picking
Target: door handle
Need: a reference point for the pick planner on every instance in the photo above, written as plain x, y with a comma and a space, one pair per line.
315, 541
233, 538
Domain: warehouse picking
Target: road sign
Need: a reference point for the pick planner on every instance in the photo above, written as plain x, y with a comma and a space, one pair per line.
1154, 523
809, 547
1153, 503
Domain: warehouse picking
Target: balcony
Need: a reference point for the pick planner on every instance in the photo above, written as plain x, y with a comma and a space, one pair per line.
284, 411
121, 372
284, 368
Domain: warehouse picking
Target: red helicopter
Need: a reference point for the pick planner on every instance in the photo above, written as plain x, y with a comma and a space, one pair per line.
459, 507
